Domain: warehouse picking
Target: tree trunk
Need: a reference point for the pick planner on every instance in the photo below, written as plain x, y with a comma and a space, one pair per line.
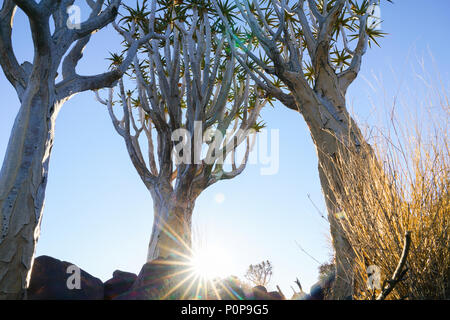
333, 130
23, 179
344, 256
171, 232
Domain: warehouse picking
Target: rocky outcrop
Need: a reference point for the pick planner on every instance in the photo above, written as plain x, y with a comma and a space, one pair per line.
261, 293
54, 279
120, 283
157, 279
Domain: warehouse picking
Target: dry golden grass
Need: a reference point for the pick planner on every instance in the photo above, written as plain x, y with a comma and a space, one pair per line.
403, 187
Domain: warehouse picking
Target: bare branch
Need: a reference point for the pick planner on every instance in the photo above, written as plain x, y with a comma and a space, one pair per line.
132, 144
71, 60
238, 170
73, 57
315, 11
76, 83
31, 8
60, 17
147, 125
265, 84
15, 74
99, 21
327, 26
350, 74
309, 37
109, 104
399, 273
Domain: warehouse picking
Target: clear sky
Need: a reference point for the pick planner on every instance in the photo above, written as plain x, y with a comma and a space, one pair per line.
98, 214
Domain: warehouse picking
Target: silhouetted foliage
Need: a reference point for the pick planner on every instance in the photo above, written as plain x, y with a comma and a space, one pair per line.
260, 274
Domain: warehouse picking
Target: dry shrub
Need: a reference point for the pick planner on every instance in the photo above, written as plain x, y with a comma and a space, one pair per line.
400, 183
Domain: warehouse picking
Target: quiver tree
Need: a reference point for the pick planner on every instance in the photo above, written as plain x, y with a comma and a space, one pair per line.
260, 274
189, 97
306, 55
58, 44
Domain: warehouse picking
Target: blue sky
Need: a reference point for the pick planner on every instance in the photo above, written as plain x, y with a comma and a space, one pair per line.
98, 214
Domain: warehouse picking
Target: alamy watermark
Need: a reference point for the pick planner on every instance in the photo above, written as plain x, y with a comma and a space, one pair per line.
214, 147
74, 19
373, 277
74, 280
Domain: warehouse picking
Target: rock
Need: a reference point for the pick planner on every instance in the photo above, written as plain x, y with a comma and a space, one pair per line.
49, 281
316, 292
120, 283
229, 288
300, 296
275, 295
260, 293
155, 280
321, 289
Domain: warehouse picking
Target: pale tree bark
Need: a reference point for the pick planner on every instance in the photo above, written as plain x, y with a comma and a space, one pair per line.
24, 173
317, 91
179, 90
172, 228
23, 180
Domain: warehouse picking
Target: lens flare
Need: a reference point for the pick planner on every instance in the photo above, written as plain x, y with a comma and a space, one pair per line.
211, 263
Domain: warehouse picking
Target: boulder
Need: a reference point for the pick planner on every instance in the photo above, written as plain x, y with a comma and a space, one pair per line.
275, 295
120, 283
49, 281
300, 296
155, 280
159, 278
321, 289
260, 293
229, 288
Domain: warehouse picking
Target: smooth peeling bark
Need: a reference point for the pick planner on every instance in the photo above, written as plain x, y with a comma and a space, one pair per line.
333, 139
344, 255
323, 104
24, 172
172, 227
23, 179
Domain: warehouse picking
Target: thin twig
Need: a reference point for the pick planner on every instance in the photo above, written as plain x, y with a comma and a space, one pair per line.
300, 247
317, 208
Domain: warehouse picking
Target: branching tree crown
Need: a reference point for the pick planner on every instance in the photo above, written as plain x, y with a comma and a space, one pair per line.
306, 53
260, 274
190, 96
62, 48
301, 51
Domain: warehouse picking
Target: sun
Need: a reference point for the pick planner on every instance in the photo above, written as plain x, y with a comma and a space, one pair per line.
211, 263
